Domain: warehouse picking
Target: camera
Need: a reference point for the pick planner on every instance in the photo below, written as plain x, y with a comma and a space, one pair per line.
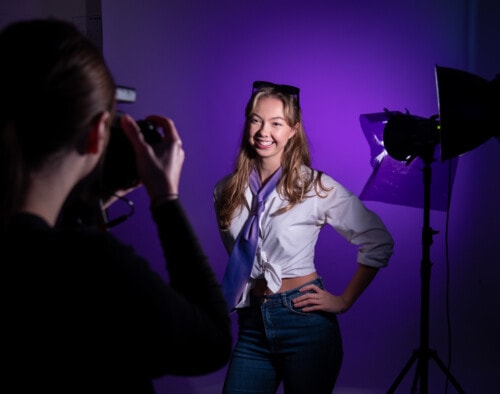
119, 170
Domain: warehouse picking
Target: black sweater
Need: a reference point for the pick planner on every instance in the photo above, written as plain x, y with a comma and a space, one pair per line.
82, 312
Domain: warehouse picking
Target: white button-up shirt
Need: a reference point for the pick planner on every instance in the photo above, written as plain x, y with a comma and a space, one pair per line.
287, 241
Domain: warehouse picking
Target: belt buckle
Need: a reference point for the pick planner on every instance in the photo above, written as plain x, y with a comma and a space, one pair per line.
263, 299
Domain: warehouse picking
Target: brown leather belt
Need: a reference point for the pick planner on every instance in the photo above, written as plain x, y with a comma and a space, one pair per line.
260, 288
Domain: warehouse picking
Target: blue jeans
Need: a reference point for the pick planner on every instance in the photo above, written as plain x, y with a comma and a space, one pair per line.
278, 343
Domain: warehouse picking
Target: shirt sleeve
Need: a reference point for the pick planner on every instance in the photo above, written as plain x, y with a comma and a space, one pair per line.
346, 213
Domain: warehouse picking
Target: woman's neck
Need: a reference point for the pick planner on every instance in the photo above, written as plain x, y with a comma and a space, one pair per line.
266, 169
49, 188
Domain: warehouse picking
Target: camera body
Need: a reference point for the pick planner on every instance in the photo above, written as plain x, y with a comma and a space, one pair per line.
119, 170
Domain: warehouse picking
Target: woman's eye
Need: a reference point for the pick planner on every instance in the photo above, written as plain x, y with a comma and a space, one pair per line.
255, 121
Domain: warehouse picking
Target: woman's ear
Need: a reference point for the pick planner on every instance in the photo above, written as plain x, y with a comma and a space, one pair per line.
294, 130
97, 136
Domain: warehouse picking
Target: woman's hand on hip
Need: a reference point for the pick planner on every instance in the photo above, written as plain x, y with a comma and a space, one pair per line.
317, 299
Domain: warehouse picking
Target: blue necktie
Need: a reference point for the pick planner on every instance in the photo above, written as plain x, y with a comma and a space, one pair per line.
242, 256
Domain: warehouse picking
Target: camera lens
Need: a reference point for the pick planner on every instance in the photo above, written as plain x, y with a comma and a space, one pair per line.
119, 171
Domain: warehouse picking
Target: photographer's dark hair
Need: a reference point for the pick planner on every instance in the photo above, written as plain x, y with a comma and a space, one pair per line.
53, 84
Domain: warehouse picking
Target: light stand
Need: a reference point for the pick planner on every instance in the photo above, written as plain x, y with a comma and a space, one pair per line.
468, 116
423, 354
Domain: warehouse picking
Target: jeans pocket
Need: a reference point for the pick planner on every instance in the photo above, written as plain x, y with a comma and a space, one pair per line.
289, 303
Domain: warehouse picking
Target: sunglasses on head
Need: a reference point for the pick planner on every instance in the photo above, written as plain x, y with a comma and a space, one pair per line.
285, 89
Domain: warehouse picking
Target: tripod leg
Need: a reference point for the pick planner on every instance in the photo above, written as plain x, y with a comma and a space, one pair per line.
418, 372
402, 374
447, 372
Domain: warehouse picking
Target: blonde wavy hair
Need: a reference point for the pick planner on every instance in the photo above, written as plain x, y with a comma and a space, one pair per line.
294, 183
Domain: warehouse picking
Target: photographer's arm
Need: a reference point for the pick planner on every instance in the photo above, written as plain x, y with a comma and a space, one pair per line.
201, 325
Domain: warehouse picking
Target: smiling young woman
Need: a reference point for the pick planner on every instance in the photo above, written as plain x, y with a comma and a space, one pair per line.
270, 211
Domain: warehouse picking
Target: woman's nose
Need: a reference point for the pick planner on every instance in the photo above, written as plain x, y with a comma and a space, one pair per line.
264, 129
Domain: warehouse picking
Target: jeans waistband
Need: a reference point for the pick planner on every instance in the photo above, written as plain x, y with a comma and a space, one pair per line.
280, 297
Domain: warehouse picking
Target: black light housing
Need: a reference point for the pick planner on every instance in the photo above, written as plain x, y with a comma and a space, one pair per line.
469, 115
408, 136
469, 110
395, 181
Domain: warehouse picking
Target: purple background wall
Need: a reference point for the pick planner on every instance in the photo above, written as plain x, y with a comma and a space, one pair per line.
195, 61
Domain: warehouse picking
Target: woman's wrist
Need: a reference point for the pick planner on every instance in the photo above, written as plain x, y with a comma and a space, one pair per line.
162, 198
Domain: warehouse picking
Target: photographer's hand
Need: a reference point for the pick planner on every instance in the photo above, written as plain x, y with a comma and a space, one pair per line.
159, 166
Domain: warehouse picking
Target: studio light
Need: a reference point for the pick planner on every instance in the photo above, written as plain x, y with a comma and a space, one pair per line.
399, 181
408, 136
469, 115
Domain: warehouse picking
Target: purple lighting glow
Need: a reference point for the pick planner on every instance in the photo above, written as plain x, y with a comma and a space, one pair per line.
396, 182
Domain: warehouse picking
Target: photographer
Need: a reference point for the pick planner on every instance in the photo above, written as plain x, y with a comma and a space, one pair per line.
82, 312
